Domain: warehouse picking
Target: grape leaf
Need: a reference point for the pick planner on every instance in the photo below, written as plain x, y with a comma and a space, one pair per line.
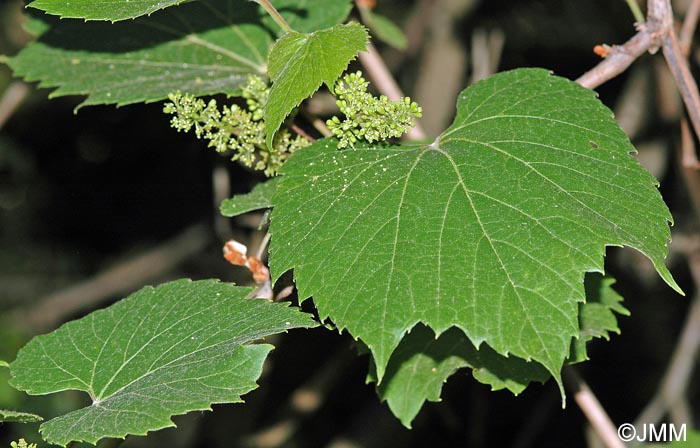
101, 9
316, 14
259, 197
422, 363
18, 417
597, 316
300, 63
4, 363
204, 47
490, 228
162, 351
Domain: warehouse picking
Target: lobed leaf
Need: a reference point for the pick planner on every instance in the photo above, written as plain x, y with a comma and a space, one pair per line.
489, 229
259, 197
422, 363
162, 351
204, 47
597, 316
300, 63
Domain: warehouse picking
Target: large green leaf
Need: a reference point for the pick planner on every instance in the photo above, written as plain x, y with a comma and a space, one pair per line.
490, 228
204, 47
301, 63
302, 15
163, 351
102, 9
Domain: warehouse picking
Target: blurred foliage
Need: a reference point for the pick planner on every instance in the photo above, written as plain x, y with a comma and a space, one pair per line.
79, 192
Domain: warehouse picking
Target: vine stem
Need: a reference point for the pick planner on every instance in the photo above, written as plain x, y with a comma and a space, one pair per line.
276, 16
593, 410
689, 25
636, 12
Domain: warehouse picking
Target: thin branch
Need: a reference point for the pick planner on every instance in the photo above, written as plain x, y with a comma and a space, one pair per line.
221, 186
121, 278
679, 68
13, 96
689, 24
674, 383
260, 253
591, 407
619, 57
636, 11
382, 78
689, 168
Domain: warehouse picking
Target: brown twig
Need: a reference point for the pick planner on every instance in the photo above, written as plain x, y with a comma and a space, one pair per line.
675, 381
382, 78
121, 278
689, 24
619, 57
13, 96
591, 407
689, 168
679, 68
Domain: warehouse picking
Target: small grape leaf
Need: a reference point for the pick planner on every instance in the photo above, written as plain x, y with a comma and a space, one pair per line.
300, 63
597, 316
259, 197
162, 351
18, 417
4, 363
101, 9
490, 228
422, 363
204, 47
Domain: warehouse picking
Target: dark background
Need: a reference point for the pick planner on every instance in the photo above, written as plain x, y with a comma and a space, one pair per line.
80, 193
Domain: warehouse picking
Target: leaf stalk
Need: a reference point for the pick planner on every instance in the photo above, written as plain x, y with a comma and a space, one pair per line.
276, 16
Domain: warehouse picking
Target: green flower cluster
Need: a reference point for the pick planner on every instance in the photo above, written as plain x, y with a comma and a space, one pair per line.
22, 444
367, 117
234, 128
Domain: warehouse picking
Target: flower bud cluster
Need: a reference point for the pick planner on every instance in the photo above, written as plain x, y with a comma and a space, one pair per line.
233, 128
367, 117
